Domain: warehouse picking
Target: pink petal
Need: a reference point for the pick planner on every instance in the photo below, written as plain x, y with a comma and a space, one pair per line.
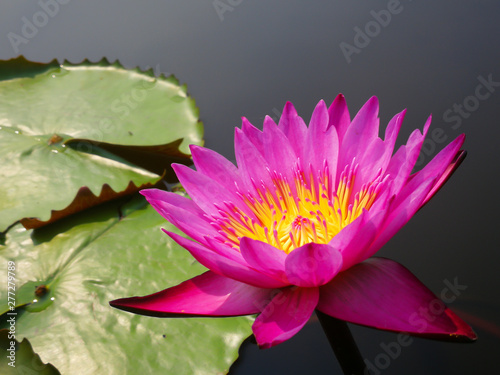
378, 154
339, 116
400, 213
252, 133
208, 294
312, 265
226, 250
172, 199
252, 165
392, 130
278, 151
381, 293
264, 257
294, 128
288, 120
188, 219
434, 170
284, 316
215, 166
355, 238
226, 266
404, 160
452, 167
360, 134
323, 143
208, 194
439, 165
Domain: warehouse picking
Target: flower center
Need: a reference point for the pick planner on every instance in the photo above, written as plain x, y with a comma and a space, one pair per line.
289, 216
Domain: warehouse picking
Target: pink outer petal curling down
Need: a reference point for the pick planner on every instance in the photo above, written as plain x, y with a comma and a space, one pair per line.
205, 295
292, 226
381, 293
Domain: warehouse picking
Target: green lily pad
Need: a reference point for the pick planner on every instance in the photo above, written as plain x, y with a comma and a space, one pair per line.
67, 126
98, 102
23, 296
24, 360
38, 176
99, 255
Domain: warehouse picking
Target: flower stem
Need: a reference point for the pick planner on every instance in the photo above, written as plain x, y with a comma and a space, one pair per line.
343, 344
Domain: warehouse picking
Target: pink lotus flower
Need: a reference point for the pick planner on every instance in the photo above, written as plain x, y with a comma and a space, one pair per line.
292, 228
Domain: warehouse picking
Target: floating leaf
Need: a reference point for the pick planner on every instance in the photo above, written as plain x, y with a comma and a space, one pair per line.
24, 360
22, 296
99, 102
68, 126
84, 199
99, 255
38, 176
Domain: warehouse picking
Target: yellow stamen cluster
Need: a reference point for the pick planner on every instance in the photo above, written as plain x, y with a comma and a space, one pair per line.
290, 216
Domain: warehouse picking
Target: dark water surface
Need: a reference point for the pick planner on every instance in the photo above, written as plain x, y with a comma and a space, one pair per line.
429, 57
